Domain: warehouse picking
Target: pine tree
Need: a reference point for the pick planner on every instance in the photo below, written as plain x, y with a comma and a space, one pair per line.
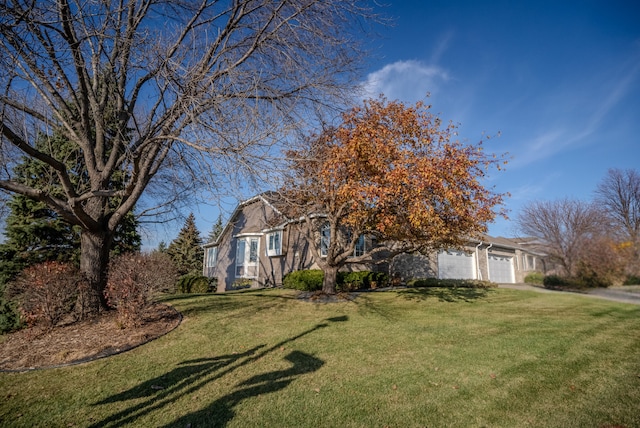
216, 230
186, 250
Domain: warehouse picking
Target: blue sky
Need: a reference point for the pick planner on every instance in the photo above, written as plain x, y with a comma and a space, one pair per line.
558, 80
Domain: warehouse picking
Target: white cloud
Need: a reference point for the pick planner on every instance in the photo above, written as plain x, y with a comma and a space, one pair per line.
407, 81
538, 148
617, 89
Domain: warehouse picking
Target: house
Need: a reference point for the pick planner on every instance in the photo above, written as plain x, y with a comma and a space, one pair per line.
499, 260
259, 245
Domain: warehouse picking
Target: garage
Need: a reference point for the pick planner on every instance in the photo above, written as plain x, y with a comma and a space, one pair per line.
456, 265
501, 269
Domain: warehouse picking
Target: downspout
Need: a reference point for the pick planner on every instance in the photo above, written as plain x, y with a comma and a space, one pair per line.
478, 271
487, 254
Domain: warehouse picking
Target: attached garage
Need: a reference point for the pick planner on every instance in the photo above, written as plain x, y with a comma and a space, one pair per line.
456, 265
501, 269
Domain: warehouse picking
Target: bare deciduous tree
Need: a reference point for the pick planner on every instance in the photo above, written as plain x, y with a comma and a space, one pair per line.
565, 228
619, 195
167, 92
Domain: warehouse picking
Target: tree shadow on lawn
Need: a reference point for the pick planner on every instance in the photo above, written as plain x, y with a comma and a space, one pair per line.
220, 412
446, 294
196, 304
192, 375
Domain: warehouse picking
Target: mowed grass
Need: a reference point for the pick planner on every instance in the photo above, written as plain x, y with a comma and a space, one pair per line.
408, 358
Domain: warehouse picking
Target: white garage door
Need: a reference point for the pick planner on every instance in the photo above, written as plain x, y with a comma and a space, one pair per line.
456, 265
501, 269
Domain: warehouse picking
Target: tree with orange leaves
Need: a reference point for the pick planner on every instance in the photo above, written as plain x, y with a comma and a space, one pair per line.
391, 172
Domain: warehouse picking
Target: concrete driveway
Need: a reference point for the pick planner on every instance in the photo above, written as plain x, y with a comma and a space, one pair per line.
629, 294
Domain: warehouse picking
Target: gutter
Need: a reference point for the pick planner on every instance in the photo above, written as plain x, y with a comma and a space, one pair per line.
478, 271
487, 254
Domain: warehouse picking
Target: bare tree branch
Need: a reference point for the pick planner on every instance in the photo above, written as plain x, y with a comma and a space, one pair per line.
564, 228
137, 84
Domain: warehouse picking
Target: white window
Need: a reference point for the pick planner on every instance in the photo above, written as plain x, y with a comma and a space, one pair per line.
210, 261
531, 263
247, 257
274, 243
211, 258
325, 239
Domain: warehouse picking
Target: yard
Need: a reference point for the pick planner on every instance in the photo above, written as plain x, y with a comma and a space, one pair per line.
407, 358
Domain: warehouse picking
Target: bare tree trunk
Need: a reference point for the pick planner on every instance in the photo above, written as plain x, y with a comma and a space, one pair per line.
330, 279
94, 263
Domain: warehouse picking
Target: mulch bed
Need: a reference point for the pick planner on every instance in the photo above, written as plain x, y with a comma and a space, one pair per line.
38, 348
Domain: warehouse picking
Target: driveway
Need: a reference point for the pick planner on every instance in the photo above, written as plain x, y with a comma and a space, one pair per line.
618, 294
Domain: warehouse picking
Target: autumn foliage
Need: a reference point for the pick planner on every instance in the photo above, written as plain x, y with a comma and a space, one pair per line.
47, 292
133, 281
394, 172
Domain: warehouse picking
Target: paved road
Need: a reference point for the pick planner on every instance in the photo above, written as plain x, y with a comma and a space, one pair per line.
616, 294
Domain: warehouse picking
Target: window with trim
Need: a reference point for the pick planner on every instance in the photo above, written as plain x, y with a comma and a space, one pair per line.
247, 257
212, 257
531, 263
274, 243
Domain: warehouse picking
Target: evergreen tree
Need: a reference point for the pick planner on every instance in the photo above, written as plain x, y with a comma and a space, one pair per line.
186, 250
216, 230
162, 247
34, 232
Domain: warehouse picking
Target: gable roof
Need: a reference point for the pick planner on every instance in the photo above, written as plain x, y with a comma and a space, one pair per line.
268, 198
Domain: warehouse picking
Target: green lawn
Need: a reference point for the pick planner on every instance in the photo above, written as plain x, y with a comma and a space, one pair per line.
411, 358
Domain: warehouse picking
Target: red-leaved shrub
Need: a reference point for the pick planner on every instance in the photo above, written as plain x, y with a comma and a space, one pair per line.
133, 280
46, 292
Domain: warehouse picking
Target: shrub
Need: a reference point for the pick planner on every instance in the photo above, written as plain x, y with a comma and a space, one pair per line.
304, 280
449, 283
601, 265
160, 270
550, 281
534, 278
557, 281
361, 280
194, 284
632, 280
133, 280
241, 284
589, 277
45, 292
311, 280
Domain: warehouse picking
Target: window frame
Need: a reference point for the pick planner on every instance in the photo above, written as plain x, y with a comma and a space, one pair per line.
247, 260
274, 243
210, 261
211, 257
361, 247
